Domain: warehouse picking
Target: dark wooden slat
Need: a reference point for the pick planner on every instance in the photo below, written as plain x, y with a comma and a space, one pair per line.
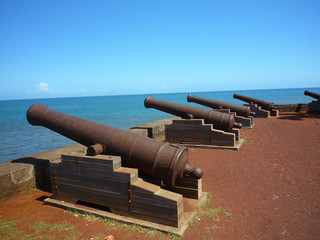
182, 132
99, 159
105, 167
189, 183
155, 219
99, 200
115, 196
113, 182
99, 174
186, 192
101, 185
94, 193
119, 201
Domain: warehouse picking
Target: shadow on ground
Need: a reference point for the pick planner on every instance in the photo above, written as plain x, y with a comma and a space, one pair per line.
297, 117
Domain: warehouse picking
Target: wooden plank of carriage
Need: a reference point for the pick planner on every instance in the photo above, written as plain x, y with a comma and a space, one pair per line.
104, 182
194, 133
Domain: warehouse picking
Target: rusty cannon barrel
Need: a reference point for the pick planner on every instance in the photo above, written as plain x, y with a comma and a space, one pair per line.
157, 159
261, 103
221, 121
312, 94
239, 109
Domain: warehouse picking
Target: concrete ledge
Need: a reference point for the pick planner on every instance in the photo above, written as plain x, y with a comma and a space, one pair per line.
17, 175
296, 107
154, 129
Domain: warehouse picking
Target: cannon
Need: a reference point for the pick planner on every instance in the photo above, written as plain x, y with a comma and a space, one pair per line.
221, 121
239, 109
312, 94
261, 103
157, 159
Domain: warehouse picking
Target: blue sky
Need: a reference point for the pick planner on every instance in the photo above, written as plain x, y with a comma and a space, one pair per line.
100, 47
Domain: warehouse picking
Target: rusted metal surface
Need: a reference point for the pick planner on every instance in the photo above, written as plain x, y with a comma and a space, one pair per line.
312, 94
96, 149
261, 103
55, 179
157, 159
129, 196
221, 121
216, 104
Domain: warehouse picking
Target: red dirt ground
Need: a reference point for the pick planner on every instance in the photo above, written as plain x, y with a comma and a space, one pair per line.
269, 189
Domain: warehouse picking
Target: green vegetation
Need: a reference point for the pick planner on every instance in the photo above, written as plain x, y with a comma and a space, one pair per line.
7, 230
30, 189
214, 214
248, 139
130, 228
63, 230
39, 230
98, 236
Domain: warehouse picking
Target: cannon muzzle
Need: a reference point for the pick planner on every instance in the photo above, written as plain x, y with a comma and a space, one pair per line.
216, 104
154, 158
261, 103
221, 121
312, 94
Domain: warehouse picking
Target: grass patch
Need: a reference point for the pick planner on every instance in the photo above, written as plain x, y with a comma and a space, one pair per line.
72, 212
8, 230
98, 236
227, 214
39, 230
114, 224
174, 236
48, 231
63, 230
248, 139
30, 189
128, 235
206, 212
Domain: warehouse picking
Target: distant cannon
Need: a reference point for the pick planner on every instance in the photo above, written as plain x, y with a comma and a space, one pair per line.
221, 121
261, 103
216, 104
157, 159
312, 94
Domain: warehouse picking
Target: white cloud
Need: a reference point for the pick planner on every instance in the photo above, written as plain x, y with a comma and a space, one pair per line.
77, 90
82, 90
43, 87
104, 90
165, 87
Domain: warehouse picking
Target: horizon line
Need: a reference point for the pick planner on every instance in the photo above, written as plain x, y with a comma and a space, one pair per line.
134, 94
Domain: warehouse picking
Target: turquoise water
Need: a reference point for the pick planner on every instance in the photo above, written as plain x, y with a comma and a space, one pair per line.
19, 138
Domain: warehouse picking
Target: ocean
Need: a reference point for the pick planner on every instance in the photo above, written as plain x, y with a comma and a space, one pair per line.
18, 138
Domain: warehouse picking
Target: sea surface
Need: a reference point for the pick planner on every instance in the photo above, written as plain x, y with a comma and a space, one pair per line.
18, 138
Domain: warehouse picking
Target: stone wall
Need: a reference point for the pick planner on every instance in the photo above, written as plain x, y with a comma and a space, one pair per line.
296, 107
